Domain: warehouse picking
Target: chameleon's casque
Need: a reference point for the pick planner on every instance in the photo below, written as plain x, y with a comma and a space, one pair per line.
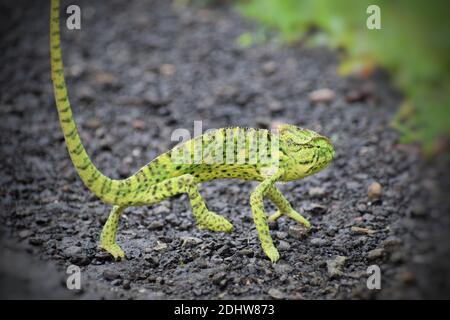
252, 154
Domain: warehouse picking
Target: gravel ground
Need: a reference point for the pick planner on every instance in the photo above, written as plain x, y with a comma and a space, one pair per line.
138, 70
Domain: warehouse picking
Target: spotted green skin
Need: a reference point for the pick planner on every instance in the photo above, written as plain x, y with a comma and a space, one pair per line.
299, 153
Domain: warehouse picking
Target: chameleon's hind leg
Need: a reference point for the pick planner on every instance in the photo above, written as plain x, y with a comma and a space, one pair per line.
109, 232
186, 184
284, 207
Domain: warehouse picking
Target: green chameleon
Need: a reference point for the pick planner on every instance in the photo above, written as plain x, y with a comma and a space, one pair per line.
288, 154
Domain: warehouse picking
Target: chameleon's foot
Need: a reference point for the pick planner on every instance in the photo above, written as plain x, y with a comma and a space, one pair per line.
275, 216
114, 250
298, 217
214, 222
272, 253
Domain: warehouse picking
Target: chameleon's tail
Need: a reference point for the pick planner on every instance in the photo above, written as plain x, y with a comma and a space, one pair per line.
104, 187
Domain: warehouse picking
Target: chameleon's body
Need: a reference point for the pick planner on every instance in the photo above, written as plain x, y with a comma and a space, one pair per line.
297, 153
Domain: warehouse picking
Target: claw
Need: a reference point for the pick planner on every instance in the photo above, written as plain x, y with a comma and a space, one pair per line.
272, 253
299, 218
114, 250
215, 222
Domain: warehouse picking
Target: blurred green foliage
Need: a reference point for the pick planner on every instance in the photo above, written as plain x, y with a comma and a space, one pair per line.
413, 44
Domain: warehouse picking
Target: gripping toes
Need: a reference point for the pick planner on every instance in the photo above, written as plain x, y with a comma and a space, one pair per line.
115, 250
298, 217
212, 221
271, 252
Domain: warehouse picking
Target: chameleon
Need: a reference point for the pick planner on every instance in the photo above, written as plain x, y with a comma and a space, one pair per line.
286, 154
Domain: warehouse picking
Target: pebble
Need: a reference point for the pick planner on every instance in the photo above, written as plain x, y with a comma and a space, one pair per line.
269, 68
334, 266
160, 246
72, 251
315, 208
283, 245
36, 241
363, 231
283, 268
25, 234
139, 124
111, 275
163, 209
375, 254
246, 252
316, 192
374, 191
116, 282
281, 235
275, 106
167, 69
105, 79
391, 242
322, 95
297, 231
126, 285
190, 241
275, 293
318, 242
154, 225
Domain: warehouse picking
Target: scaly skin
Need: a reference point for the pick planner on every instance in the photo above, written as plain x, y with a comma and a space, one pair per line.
243, 153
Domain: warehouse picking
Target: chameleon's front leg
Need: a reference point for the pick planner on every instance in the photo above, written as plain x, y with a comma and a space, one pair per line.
109, 232
284, 207
260, 218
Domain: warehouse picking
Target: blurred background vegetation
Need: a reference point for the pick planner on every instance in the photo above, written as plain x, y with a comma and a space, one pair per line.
413, 45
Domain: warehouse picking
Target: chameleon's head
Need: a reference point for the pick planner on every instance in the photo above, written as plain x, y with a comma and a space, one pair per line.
308, 151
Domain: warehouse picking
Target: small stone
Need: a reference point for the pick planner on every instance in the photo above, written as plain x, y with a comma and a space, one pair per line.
334, 266
86, 94
283, 268
362, 231
407, 277
269, 68
116, 282
154, 225
374, 191
275, 106
315, 208
246, 252
105, 79
418, 210
190, 241
93, 123
297, 231
391, 242
160, 246
318, 242
139, 124
72, 251
167, 69
281, 235
375, 254
219, 277
126, 285
25, 234
322, 95
110, 275
275, 294
283, 246
36, 241
173, 219
162, 209
316, 192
